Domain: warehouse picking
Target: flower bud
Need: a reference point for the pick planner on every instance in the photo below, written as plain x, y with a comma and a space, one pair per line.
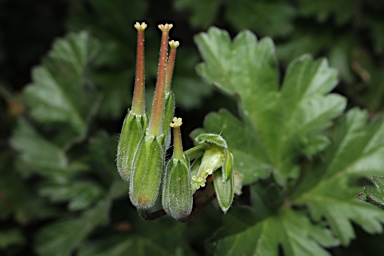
131, 134
218, 161
177, 198
147, 171
135, 122
177, 195
210, 162
216, 155
224, 189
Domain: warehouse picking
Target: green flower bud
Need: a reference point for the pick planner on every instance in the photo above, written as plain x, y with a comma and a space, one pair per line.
177, 198
224, 189
135, 122
147, 171
218, 161
177, 195
210, 162
131, 134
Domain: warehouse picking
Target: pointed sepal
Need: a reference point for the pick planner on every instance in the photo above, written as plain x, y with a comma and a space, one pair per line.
177, 197
224, 190
227, 165
212, 139
132, 132
147, 172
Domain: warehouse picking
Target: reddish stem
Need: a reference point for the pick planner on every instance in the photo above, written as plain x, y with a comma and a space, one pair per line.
155, 127
171, 65
138, 105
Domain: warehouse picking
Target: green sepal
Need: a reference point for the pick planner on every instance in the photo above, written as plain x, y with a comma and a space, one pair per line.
177, 197
168, 116
197, 151
132, 132
211, 138
147, 172
227, 165
224, 190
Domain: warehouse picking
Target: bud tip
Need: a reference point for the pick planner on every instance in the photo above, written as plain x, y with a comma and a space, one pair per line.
140, 27
174, 44
165, 27
176, 122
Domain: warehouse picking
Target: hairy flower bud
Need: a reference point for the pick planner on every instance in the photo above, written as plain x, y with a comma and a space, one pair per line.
135, 122
146, 176
177, 195
210, 162
215, 156
218, 161
177, 198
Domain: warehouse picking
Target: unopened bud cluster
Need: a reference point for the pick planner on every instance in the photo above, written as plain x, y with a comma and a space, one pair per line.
145, 138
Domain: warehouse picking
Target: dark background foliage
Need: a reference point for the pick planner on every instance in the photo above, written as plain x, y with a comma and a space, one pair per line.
32, 220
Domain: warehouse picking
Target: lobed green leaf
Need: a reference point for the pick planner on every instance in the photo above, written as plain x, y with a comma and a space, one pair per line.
356, 153
61, 93
289, 229
279, 125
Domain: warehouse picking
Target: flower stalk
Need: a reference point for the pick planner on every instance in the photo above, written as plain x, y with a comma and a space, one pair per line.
171, 64
169, 96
